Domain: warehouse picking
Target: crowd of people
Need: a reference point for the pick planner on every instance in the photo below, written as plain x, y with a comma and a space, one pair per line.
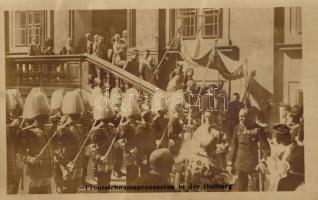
75, 143
113, 50
116, 52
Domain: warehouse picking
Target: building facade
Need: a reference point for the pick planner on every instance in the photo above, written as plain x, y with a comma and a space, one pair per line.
268, 39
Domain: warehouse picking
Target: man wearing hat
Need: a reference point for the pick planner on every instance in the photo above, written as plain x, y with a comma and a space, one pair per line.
244, 152
67, 144
291, 159
145, 141
38, 165
161, 162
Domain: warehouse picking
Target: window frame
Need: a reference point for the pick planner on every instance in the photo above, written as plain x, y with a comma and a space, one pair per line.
181, 16
219, 23
42, 27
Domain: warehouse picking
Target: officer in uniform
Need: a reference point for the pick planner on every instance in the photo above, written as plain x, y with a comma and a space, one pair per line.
38, 160
145, 141
116, 103
68, 144
244, 150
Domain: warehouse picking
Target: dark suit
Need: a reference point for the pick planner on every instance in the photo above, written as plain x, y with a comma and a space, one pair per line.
244, 152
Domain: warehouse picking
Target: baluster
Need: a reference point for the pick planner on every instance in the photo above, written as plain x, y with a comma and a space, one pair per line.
61, 71
105, 81
44, 72
30, 72
117, 82
24, 72
38, 71
52, 72
19, 72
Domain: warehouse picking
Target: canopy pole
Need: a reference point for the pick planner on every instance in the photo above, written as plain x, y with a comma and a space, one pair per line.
229, 90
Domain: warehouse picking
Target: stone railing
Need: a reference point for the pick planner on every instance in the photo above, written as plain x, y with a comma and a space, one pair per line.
69, 70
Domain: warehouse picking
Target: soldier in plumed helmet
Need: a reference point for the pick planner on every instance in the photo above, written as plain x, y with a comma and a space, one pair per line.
67, 145
14, 105
115, 104
100, 149
159, 106
38, 160
127, 130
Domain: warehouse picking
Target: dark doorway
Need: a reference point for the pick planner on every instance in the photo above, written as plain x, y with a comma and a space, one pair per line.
109, 22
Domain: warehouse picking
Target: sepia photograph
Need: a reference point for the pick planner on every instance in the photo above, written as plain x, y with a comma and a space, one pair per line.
159, 100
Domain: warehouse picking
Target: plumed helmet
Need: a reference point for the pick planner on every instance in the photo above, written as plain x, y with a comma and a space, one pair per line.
101, 108
115, 98
130, 106
159, 102
57, 99
84, 96
28, 110
36, 104
41, 104
13, 99
72, 103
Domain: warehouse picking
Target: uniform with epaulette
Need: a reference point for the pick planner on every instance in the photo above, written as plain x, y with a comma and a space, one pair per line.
244, 151
68, 144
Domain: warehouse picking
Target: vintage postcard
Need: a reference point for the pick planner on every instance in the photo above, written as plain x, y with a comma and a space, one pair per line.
186, 100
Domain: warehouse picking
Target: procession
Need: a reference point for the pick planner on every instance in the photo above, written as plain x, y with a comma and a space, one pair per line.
189, 135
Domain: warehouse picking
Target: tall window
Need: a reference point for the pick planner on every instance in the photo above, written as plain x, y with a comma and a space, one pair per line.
28, 26
212, 23
295, 21
188, 19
